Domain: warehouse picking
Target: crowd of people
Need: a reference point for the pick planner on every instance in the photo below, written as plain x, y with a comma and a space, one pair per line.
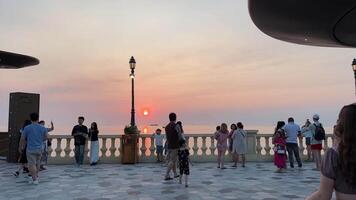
337, 166
34, 144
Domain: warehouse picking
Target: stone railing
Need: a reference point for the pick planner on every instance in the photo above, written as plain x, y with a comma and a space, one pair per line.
202, 148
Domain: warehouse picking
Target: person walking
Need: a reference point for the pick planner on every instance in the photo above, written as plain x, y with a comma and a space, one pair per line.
94, 143
80, 134
338, 168
307, 133
292, 132
173, 136
22, 156
184, 161
33, 136
318, 135
222, 136
44, 157
239, 147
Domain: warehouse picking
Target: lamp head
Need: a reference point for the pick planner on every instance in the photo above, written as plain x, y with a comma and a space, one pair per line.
354, 65
132, 63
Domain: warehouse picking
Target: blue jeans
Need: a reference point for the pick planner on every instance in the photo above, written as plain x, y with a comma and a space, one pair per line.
79, 154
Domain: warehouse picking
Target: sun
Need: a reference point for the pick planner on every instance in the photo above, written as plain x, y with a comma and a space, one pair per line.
146, 112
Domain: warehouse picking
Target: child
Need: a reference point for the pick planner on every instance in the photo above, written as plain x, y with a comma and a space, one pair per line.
159, 144
183, 156
221, 136
279, 142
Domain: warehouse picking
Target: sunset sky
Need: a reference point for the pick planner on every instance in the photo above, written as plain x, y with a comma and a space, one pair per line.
203, 59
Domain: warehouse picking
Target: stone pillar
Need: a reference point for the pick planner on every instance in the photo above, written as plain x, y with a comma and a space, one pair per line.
251, 145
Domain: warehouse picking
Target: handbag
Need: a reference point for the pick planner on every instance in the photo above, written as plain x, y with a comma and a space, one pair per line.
280, 150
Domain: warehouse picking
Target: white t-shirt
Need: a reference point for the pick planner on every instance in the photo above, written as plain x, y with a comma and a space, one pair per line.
158, 139
291, 129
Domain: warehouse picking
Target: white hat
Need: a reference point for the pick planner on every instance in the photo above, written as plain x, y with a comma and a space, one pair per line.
316, 117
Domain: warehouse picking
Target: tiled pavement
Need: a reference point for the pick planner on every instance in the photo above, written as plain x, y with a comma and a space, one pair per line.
144, 181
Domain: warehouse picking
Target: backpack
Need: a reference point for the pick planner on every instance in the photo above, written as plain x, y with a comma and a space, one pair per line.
319, 132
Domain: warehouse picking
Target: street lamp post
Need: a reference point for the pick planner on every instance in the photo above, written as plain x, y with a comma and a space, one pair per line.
354, 68
132, 76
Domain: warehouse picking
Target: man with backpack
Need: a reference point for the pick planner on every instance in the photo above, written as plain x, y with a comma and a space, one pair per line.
318, 135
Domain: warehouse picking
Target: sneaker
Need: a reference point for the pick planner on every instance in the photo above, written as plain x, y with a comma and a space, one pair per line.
30, 181
218, 166
42, 168
25, 170
234, 166
223, 167
16, 174
35, 182
186, 185
168, 178
176, 176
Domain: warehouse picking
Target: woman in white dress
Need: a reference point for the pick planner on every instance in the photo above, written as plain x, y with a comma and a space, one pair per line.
239, 147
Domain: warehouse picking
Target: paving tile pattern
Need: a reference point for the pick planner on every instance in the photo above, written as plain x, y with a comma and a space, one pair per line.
145, 182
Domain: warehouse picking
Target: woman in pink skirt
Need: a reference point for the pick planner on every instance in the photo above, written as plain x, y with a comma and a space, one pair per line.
221, 136
280, 157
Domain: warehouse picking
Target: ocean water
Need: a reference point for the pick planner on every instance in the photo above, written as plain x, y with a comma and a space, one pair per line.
188, 129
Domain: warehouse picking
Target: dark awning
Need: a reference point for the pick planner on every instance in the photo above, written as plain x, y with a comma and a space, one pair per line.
330, 23
10, 60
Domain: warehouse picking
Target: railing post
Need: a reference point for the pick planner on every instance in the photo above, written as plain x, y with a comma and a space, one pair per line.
203, 149
268, 147
112, 150
58, 149
152, 149
195, 148
143, 149
253, 145
212, 149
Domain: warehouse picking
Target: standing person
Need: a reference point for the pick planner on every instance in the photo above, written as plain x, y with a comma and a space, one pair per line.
318, 135
279, 142
307, 133
183, 155
80, 133
173, 136
239, 147
221, 137
338, 168
22, 156
44, 156
233, 128
33, 135
292, 132
158, 137
94, 143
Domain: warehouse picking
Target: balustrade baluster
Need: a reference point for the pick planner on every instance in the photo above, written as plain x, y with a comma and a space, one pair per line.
112, 149
152, 149
58, 149
259, 147
267, 147
203, 147
67, 148
103, 148
212, 147
143, 148
195, 147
